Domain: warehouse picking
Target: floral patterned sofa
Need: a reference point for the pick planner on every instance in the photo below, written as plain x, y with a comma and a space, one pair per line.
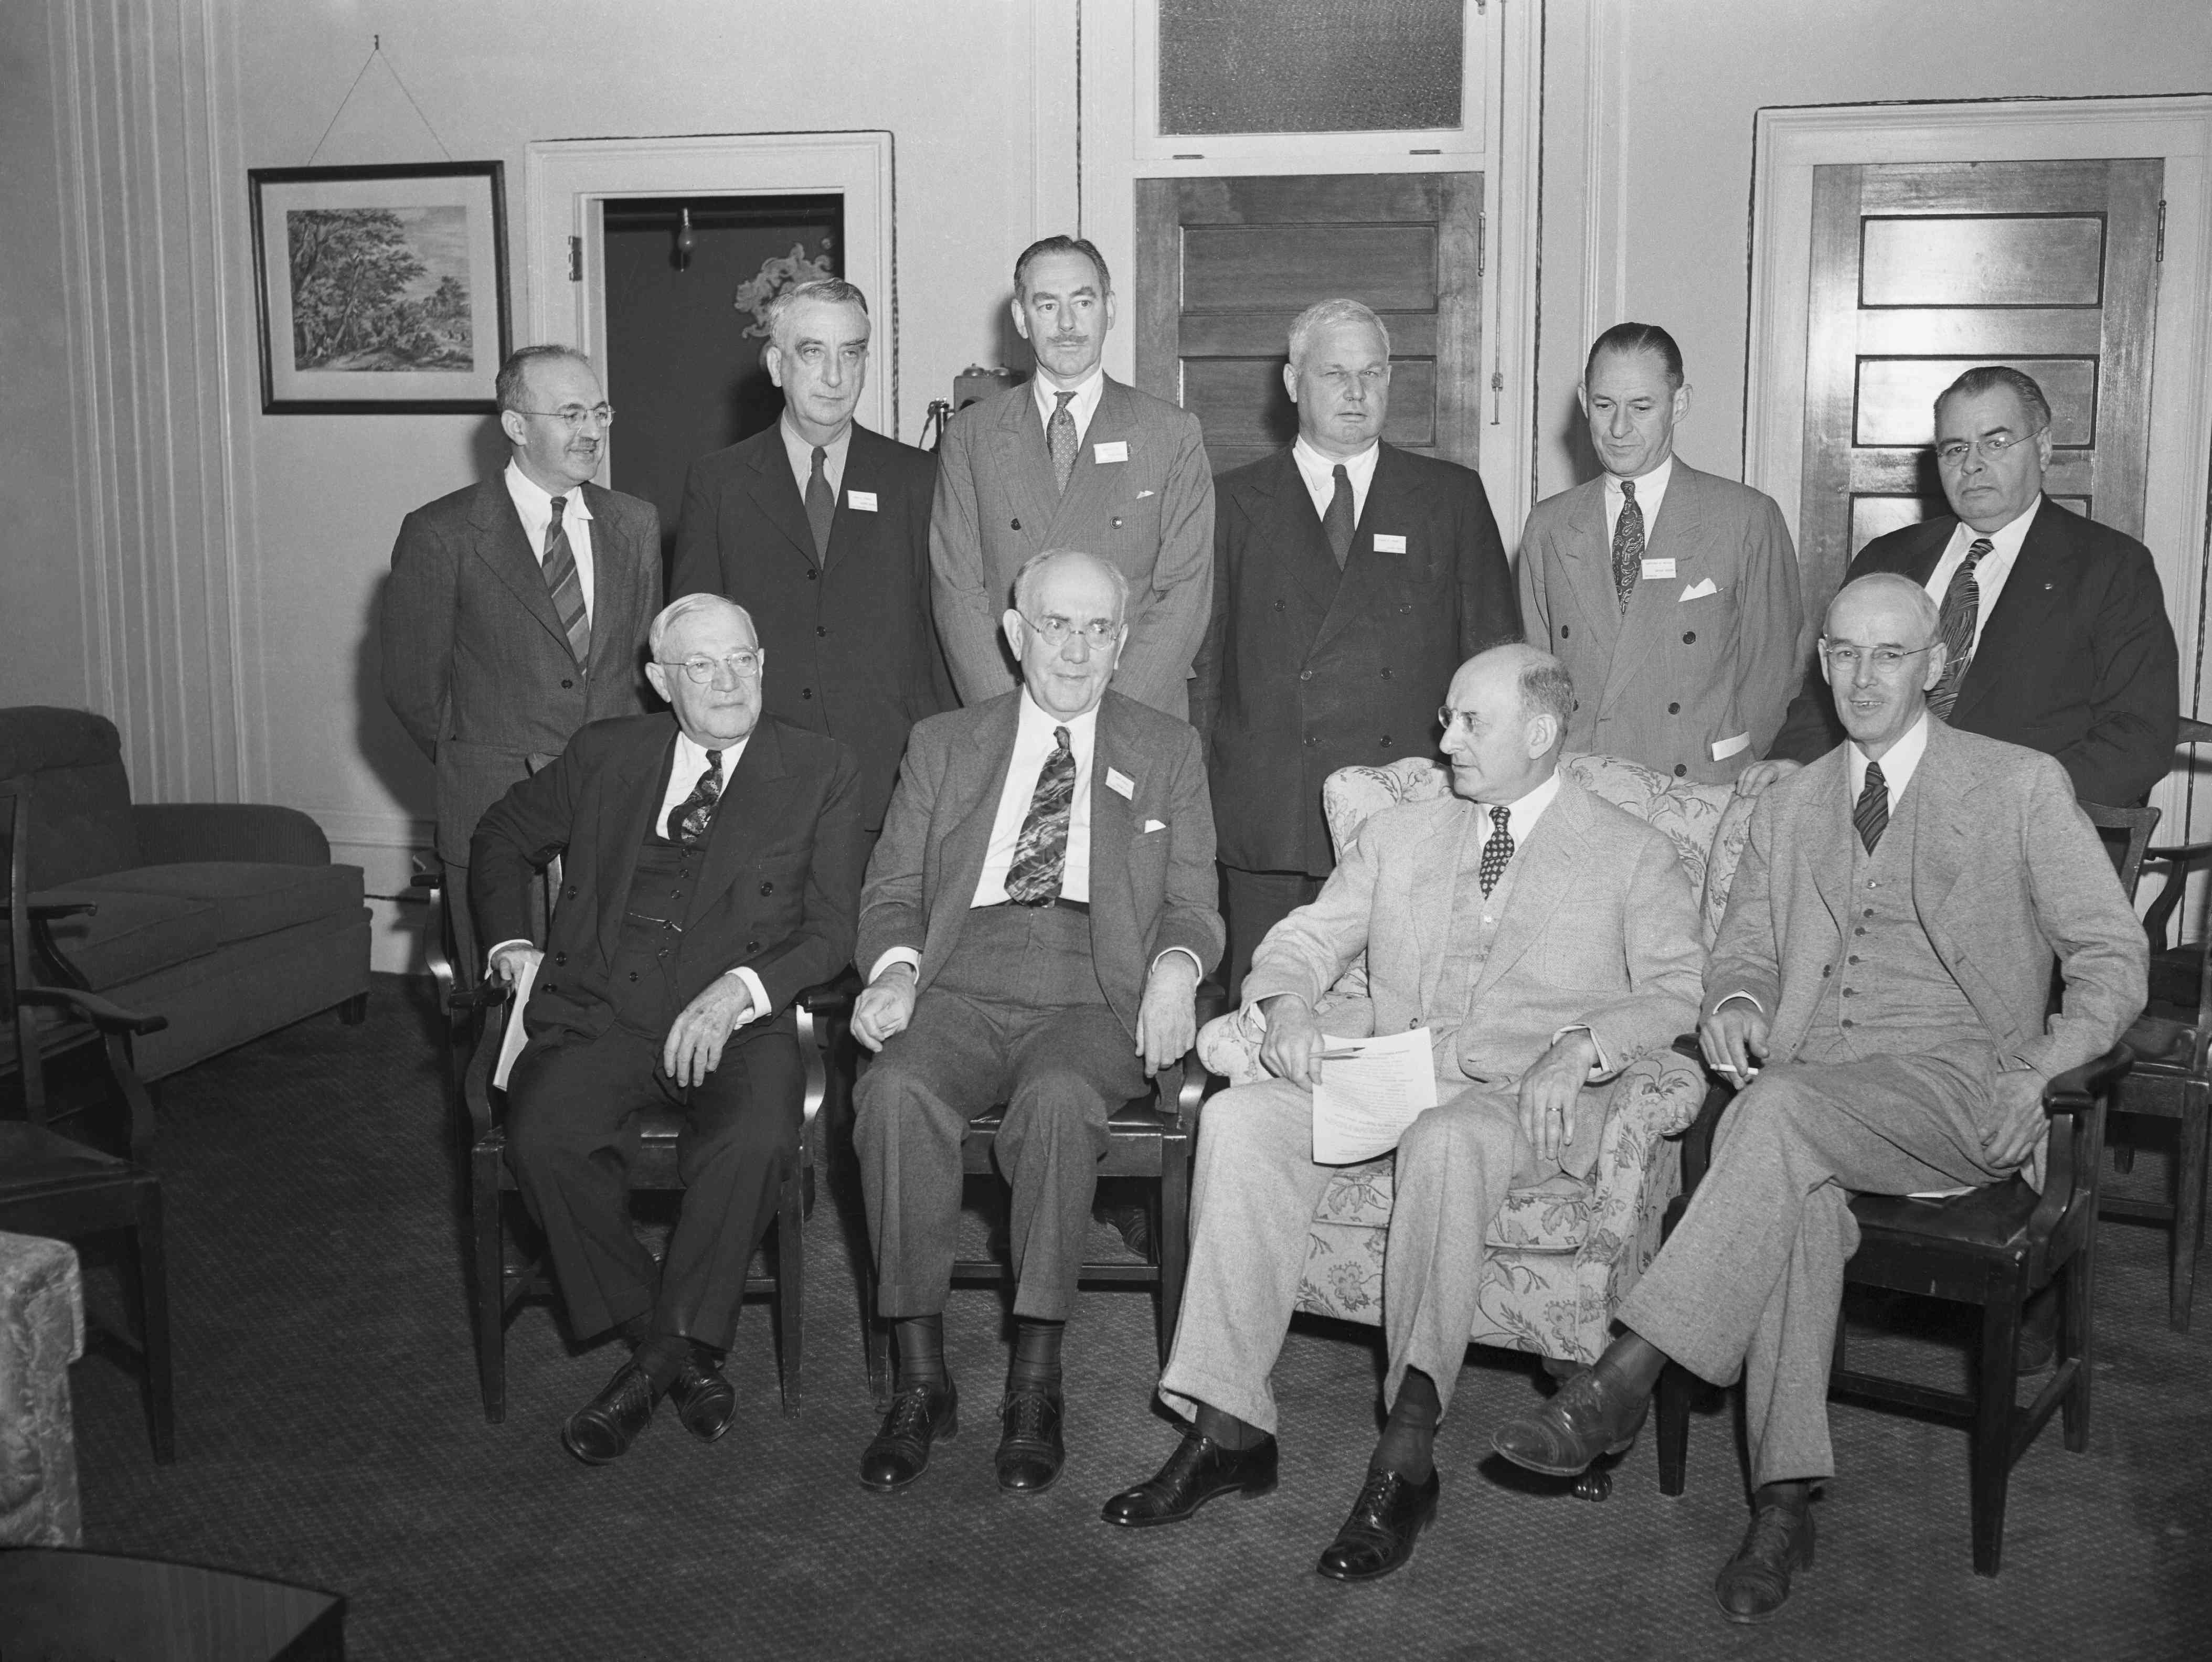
1564, 1253
41, 1332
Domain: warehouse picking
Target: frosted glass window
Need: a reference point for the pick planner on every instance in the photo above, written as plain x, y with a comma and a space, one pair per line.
1310, 66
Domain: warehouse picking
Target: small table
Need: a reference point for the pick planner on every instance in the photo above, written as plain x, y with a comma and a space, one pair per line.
65, 1603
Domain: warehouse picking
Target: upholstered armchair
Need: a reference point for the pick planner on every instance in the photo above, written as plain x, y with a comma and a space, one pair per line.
1563, 1254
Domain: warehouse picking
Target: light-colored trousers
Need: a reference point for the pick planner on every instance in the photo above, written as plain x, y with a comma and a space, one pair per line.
1254, 1191
1752, 1277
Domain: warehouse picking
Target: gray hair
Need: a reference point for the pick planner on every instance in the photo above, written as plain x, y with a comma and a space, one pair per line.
513, 383
676, 611
1032, 573
1987, 378
1325, 314
828, 291
1904, 588
1546, 689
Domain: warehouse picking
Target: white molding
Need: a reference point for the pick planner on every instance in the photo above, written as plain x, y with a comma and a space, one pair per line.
1605, 166
1056, 192
353, 828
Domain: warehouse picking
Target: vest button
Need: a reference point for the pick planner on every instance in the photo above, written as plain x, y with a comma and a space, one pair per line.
1826, 968
633, 975
566, 683
1016, 524
1673, 709
1681, 768
1305, 675
1868, 913
767, 889
1846, 1021
807, 692
1564, 632
1850, 992
1689, 637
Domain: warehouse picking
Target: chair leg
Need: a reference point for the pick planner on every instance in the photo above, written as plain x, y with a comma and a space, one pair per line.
1173, 1244
2188, 1212
154, 1321
1673, 1428
490, 1275
791, 1283
1990, 1460
2077, 1339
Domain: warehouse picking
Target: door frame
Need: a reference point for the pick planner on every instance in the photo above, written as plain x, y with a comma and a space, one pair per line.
566, 182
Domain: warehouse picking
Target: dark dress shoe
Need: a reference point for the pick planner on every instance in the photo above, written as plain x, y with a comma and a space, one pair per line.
603, 1427
706, 1401
1587, 1416
1029, 1449
919, 1415
1751, 1586
1386, 1520
1199, 1470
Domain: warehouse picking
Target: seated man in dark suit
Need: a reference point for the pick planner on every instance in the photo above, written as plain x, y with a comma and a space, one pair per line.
1036, 918
712, 866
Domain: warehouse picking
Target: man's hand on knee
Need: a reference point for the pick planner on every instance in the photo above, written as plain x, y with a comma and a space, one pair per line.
885, 1006
1292, 1049
1551, 1090
693, 1048
1167, 1021
2021, 1120
1734, 1040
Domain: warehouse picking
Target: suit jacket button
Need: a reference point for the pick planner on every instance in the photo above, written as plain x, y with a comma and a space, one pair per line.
1411, 1025
753, 946
812, 574
561, 958
566, 683
549, 987
1680, 768
1689, 636
1305, 675
1386, 741
1386, 674
1117, 523
1564, 632
572, 891
807, 692
1013, 524
1826, 968
1673, 709
820, 631
767, 889
1311, 739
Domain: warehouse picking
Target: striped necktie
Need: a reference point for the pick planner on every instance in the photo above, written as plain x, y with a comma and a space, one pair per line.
1962, 614
566, 585
1871, 815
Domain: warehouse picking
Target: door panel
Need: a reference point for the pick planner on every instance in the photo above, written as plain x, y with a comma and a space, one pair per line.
1224, 265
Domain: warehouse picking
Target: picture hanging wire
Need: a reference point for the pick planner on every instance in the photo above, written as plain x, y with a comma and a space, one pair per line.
376, 55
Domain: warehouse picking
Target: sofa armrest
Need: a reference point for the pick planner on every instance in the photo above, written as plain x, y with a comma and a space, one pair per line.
173, 833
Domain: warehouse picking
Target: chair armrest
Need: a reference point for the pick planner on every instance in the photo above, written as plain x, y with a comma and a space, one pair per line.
492, 997
2068, 1206
172, 833
1698, 1135
44, 908
107, 1017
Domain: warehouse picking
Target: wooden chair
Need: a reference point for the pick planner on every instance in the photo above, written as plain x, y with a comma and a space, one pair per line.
56, 1185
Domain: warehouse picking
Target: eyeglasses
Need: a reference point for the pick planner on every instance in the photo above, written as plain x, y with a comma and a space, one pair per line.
1846, 659
1447, 718
742, 664
1055, 630
576, 415
1952, 452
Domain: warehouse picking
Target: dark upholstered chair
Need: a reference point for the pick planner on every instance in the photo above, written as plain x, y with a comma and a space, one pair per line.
227, 918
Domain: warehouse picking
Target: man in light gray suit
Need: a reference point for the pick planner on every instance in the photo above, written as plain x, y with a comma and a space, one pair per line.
518, 608
1547, 939
1073, 459
1881, 986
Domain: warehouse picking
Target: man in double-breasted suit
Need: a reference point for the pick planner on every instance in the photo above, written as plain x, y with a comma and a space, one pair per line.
1037, 916
1879, 987
1672, 596
1351, 579
518, 608
820, 528
712, 868
1073, 460
1546, 940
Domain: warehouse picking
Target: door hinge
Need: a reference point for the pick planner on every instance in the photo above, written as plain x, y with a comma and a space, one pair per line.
2158, 258
575, 259
1481, 243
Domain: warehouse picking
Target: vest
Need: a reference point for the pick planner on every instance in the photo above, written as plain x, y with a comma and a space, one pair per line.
1472, 932
641, 984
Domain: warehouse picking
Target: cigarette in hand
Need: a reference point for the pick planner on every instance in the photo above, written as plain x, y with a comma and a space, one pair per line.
1339, 1055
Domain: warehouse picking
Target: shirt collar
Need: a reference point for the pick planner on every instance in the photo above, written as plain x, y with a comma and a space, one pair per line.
691, 758
534, 500
1082, 407
2005, 540
1319, 471
802, 454
1523, 812
1897, 767
1036, 719
1649, 487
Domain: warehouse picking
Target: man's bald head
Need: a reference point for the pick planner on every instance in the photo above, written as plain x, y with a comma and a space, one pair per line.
1882, 650
1888, 589
1507, 721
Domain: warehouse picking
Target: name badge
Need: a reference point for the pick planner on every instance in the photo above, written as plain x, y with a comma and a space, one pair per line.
1113, 450
1120, 783
1385, 543
865, 500
1658, 568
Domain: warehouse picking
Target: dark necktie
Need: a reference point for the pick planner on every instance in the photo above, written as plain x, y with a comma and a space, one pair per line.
1962, 612
1060, 439
1871, 816
1337, 522
688, 820
1041, 853
1627, 545
1497, 850
820, 507
565, 585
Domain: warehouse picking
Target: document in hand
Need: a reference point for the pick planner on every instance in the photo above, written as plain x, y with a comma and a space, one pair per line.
510, 1043
1370, 1091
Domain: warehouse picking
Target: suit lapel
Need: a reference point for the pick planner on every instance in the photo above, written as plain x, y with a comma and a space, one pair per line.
1943, 785
1449, 855
1294, 537
1554, 848
850, 528
974, 781
1025, 463
614, 641
2022, 615
1395, 506
1826, 849
1589, 550
775, 493
629, 795
755, 794
1113, 815
1090, 482
1677, 534
500, 544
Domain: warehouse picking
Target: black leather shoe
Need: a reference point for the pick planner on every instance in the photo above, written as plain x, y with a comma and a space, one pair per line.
919, 1415
1199, 1470
1751, 1586
1386, 1520
706, 1401
1587, 1416
603, 1427
1029, 1449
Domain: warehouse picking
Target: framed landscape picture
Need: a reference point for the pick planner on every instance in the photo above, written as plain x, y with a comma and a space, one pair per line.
380, 290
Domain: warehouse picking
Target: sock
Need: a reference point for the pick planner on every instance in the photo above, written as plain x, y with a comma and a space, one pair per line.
660, 1357
636, 1331
920, 1350
1036, 1364
1232, 1433
1409, 1437
1634, 1361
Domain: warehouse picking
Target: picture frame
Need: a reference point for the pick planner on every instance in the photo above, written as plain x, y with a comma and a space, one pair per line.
380, 290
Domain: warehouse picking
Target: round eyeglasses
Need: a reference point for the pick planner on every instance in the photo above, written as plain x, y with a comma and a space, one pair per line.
576, 415
1952, 452
742, 665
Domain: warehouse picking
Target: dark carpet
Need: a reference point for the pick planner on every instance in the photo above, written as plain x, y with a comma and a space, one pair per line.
330, 1433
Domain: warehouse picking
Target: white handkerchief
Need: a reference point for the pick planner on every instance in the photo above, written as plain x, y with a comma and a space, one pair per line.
1153, 825
1143, 493
1725, 747
1120, 783
1699, 591
1111, 450
865, 500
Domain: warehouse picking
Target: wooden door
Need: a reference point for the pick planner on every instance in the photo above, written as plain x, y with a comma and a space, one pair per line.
1224, 264
1921, 270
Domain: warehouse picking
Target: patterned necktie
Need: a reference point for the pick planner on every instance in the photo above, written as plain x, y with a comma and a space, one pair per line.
1337, 522
1962, 612
563, 582
1060, 439
821, 506
1872, 813
1041, 853
1627, 545
1497, 850
688, 820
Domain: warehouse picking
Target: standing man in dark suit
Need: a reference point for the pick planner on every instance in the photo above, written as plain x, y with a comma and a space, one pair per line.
518, 608
1352, 579
1037, 919
1670, 595
1073, 460
712, 865
2056, 625
820, 528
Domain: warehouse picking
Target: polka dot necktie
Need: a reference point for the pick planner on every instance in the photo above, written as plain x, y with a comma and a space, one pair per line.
1060, 439
1497, 850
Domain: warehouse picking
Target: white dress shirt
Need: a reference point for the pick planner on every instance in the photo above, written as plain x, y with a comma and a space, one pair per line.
1319, 471
1989, 576
802, 456
1082, 407
1650, 492
535, 505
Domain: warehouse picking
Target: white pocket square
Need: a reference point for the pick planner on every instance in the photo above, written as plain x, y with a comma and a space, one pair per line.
1153, 825
1699, 591
1143, 493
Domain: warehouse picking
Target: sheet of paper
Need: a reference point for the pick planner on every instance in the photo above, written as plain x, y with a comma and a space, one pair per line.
1371, 1091
510, 1043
